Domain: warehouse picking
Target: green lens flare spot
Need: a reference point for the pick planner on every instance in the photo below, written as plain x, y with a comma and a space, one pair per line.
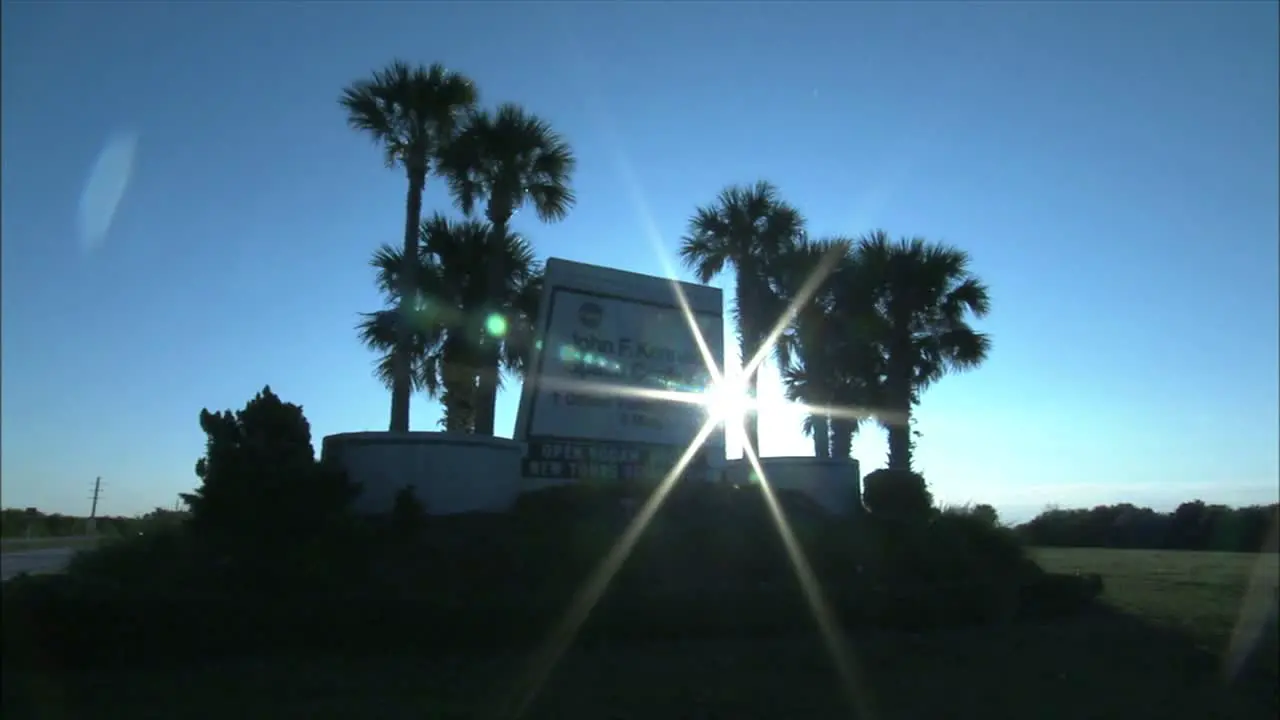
496, 325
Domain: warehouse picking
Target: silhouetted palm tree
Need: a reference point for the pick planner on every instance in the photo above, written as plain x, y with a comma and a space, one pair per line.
378, 332
804, 351
829, 358
455, 262
506, 159
745, 228
409, 111
924, 295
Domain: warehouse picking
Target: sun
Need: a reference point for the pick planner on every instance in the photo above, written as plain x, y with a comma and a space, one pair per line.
727, 401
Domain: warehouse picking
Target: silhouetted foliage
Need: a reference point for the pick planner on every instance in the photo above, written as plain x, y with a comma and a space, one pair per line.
744, 230
876, 323
710, 563
411, 112
455, 291
897, 495
983, 513
505, 159
926, 297
408, 515
265, 509
828, 357
260, 482
164, 557
30, 523
1192, 526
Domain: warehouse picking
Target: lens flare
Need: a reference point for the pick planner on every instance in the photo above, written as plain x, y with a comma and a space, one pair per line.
727, 404
104, 189
495, 325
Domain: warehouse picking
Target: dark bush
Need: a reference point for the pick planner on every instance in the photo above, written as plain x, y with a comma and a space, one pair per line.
710, 562
408, 515
897, 495
260, 481
1053, 594
983, 512
164, 558
265, 510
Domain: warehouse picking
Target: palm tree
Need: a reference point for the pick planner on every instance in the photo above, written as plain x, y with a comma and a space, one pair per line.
523, 328
829, 359
505, 159
801, 387
378, 332
410, 112
453, 274
804, 352
746, 228
924, 295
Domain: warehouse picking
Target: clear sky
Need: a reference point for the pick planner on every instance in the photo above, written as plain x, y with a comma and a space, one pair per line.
1111, 167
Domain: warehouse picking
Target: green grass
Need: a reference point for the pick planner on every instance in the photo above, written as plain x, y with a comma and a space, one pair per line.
1158, 656
1205, 594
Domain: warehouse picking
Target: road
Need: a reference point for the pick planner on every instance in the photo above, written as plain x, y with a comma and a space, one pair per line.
34, 561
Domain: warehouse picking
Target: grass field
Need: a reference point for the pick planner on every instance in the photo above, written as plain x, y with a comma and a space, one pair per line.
1160, 655
1205, 594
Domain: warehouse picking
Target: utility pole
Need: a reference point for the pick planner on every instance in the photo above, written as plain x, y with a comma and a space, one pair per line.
97, 492
91, 526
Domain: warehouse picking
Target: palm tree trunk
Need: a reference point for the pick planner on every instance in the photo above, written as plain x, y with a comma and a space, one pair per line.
899, 447
486, 405
899, 425
749, 347
900, 370
841, 438
821, 436
459, 385
457, 413
401, 385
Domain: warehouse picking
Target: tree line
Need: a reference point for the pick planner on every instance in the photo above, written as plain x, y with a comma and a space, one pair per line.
1194, 525
32, 523
859, 326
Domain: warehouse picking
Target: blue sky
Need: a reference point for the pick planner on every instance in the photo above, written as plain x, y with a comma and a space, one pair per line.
1111, 167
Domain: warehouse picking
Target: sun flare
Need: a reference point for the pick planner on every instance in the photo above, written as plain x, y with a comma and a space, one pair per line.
727, 401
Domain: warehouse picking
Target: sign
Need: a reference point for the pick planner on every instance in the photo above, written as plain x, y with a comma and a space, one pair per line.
594, 461
608, 339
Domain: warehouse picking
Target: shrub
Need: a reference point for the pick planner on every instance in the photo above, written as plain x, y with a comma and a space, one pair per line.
259, 477
983, 512
265, 517
408, 515
264, 504
897, 495
711, 562
1049, 595
151, 561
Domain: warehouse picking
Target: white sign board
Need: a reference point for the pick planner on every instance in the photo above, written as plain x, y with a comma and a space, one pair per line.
606, 337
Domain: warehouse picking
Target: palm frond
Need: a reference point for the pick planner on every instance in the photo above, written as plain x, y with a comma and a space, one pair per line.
922, 296
509, 157
408, 110
377, 330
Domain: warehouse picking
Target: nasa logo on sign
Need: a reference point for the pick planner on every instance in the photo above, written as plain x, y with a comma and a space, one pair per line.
589, 315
